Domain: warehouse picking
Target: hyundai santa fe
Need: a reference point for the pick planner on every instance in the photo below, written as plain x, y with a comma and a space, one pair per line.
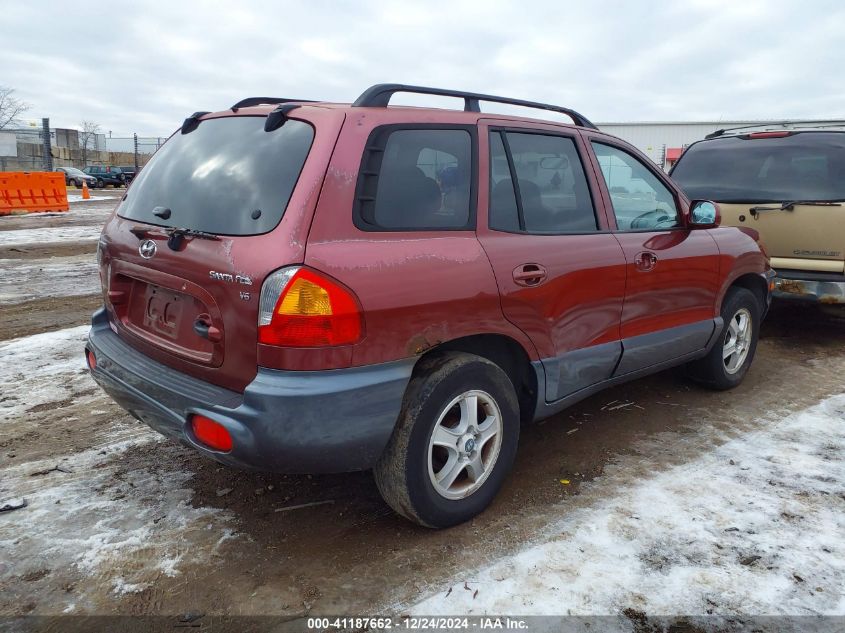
309, 287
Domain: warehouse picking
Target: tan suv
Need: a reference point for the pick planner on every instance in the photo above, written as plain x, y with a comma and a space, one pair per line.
787, 181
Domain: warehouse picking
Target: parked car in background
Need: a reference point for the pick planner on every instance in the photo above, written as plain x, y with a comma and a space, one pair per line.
128, 172
107, 175
397, 288
786, 181
76, 177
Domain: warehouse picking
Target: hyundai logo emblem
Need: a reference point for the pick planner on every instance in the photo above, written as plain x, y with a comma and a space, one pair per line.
147, 249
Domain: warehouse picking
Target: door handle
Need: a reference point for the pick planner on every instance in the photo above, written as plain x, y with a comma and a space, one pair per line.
529, 275
645, 261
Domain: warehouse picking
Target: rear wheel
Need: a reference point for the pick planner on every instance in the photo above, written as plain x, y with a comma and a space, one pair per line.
728, 362
454, 442
101, 184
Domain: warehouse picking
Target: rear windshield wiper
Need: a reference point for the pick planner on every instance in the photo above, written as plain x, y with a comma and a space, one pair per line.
789, 205
175, 234
203, 235
170, 231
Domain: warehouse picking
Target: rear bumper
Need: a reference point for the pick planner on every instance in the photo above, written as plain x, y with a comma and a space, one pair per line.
285, 421
817, 288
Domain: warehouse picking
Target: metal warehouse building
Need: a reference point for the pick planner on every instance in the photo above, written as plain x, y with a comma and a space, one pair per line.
663, 141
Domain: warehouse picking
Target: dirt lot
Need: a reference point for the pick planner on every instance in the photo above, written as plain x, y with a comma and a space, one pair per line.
119, 521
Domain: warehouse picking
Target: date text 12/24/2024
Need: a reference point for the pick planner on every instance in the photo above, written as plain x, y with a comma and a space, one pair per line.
417, 623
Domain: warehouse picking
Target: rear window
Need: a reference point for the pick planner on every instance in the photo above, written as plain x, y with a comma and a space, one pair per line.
804, 166
228, 177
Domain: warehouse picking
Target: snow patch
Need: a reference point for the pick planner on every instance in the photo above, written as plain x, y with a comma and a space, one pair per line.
112, 511
127, 522
121, 587
43, 368
754, 527
50, 235
78, 198
49, 277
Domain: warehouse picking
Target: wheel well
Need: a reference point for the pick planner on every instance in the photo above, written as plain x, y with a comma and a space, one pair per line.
755, 284
509, 356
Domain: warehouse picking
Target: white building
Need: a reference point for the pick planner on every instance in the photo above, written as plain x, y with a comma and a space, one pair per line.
663, 141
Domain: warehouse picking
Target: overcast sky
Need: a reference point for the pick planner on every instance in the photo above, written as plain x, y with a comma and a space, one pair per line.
144, 66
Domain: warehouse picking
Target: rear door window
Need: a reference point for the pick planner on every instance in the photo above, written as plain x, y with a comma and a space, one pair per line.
227, 177
416, 179
549, 194
803, 166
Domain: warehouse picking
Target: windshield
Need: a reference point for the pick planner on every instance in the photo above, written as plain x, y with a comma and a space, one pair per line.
804, 166
227, 177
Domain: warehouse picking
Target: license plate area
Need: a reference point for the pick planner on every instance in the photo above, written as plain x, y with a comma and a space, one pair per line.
163, 311
164, 317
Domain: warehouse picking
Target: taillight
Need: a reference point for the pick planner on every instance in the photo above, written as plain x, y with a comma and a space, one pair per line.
211, 433
302, 308
92, 360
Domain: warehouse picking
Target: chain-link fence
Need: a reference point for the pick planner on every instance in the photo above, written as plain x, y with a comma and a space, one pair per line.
72, 148
140, 147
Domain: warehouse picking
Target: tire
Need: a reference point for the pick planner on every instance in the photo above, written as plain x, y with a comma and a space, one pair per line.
77, 183
101, 183
440, 396
717, 371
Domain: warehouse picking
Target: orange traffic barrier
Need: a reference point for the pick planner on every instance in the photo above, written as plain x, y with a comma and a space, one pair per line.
28, 192
86, 195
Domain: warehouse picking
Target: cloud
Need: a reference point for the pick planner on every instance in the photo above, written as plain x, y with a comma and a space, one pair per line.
146, 66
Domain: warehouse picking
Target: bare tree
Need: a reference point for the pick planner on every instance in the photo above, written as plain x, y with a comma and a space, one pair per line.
88, 138
11, 108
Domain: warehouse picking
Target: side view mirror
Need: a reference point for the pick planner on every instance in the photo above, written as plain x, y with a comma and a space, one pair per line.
704, 214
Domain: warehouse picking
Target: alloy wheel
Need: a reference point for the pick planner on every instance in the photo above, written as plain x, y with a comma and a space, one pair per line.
464, 444
737, 341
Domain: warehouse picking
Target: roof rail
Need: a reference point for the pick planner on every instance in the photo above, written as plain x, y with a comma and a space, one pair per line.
788, 124
378, 96
254, 101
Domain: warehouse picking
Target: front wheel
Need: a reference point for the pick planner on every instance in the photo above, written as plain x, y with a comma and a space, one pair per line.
454, 442
728, 362
101, 184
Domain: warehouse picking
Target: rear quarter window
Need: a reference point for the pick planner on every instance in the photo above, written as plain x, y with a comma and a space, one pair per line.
416, 179
227, 177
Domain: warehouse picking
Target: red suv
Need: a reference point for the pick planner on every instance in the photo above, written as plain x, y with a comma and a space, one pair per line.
314, 287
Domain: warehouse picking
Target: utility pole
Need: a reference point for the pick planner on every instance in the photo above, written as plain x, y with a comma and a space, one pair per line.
47, 151
135, 140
